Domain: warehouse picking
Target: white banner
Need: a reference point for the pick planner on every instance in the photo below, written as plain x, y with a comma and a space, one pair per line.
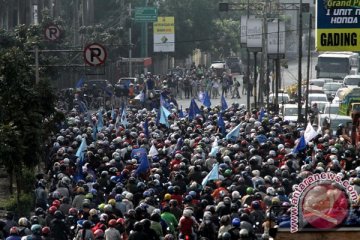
243, 29
254, 33
276, 31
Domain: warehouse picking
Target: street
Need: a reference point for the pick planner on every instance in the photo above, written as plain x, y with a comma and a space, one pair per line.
289, 77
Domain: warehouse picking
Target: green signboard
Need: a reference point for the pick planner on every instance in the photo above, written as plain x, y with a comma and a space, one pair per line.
146, 14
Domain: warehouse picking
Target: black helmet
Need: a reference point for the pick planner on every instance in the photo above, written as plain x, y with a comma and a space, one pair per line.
226, 236
86, 224
138, 226
58, 214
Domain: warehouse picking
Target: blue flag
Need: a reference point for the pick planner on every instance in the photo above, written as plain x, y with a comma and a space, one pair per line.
164, 114
141, 96
124, 120
261, 114
261, 138
221, 124
80, 83
233, 134
181, 113
301, 145
206, 102
213, 175
81, 150
146, 128
164, 102
141, 154
113, 114
201, 97
94, 133
193, 110
100, 121
107, 90
224, 105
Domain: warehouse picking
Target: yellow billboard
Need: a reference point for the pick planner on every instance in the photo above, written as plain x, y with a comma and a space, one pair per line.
164, 34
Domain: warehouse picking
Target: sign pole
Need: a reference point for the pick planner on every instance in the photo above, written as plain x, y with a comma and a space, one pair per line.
300, 117
308, 70
130, 44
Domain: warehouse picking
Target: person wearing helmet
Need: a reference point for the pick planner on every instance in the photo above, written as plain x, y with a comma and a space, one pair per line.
36, 231
235, 229
9, 222
85, 232
23, 227
225, 225
79, 198
112, 232
175, 209
117, 212
257, 215
41, 195
138, 232
13, 234
170, 219
150, 233
59, 230
187, 224
249, 197
207, 229
165, 202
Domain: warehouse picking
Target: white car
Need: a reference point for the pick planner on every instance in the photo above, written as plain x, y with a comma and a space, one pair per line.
332, 121
352, 80
317, 97
331, 108
283, 98
290, 112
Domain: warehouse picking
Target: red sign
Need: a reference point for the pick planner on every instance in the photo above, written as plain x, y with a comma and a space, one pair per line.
147, 62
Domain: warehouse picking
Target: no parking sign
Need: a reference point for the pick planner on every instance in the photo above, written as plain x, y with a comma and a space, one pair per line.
95, 54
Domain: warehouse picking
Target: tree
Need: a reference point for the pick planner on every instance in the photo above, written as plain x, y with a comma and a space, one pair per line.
23, 105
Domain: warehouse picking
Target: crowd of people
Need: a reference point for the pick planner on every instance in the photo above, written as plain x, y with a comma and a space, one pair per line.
95, 187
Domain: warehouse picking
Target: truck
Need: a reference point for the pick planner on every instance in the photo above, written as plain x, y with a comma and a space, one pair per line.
337, 65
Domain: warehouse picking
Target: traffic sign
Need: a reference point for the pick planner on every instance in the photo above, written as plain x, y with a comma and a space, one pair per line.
52, 32
146, 14
95, 54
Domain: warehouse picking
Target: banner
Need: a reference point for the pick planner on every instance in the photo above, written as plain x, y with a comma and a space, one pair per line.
164, 34
276, 38
254, 33
337, 25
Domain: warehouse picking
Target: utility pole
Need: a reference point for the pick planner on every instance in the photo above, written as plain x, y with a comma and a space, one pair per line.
300, 117
248, 90
130, 43
308, 69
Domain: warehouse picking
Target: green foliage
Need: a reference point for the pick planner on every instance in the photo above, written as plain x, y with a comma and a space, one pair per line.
23, 208
23, 104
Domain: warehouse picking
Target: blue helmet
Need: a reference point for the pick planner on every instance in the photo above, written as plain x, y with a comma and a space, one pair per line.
236, 222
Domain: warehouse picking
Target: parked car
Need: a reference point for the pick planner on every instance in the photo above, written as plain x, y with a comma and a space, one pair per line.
331, 88
331, 108
320, 81
332, 121
234, 64
352, 80
290, 112
312, 97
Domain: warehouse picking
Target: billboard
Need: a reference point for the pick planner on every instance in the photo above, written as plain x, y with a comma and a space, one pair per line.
164, 34
276, 38
254, 32
337, 25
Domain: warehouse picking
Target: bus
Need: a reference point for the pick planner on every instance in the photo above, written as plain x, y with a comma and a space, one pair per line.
337, 65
